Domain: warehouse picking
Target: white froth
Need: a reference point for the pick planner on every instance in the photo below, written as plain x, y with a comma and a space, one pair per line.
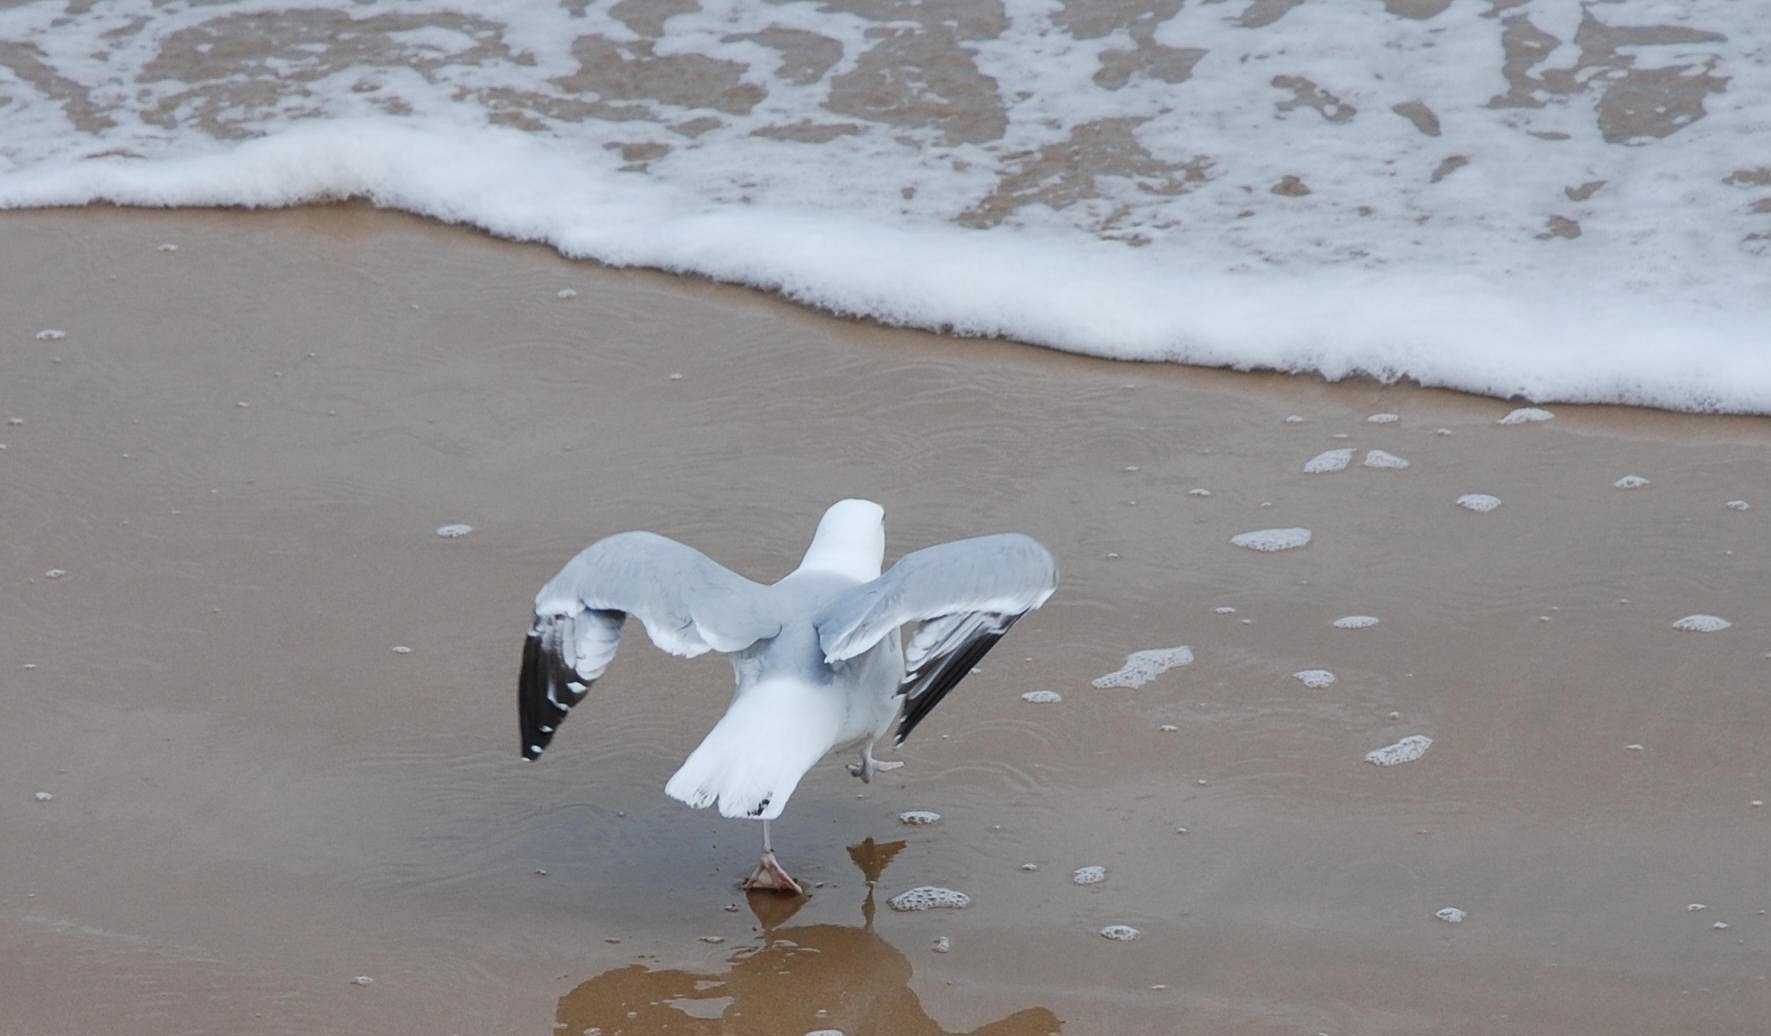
1143, 666
929, 897
1042, 697
51, 334
1090, 875
1314, 679
1384, 460
1297, 213
44, 796
1328, 461
1702, 623
1451, 914
919, 817
454, 530
1526, 415
1355, 622
1269, 541
1120, 932
1481, 503
1630, 482
1739, 505
1406, 750
1384, 418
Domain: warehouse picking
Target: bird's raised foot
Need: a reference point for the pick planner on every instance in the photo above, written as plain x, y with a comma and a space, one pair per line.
868, 766
769, 876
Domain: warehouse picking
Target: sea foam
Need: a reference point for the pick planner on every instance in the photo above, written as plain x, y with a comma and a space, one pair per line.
1406, 750
1269, 541
929, 897
1190, 187
1143, 666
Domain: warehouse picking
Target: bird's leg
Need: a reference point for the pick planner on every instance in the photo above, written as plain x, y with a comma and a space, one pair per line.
868, 766
769, 873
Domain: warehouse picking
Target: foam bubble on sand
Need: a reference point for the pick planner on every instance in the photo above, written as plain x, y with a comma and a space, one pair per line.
1120, 932
1384, 418
1314, 679
1224, 609
1738, 505
919, 817
1293, 419
1269, 541
1481, 503
402, 649
51, 334
1527, 415
1355, 622
1331, 460
55, 573
566, 293
1143, 666
454, 530
942, 944
44, 796
1702, 623
1451, 914
1090, 875
929, 897
1042, 697
1385, 460
1198, 491
1406, 750
1630, 482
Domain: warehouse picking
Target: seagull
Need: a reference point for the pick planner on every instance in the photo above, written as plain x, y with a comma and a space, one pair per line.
818, 660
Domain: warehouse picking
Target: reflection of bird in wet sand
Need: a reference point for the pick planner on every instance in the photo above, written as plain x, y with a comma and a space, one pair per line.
801, 979
817, 656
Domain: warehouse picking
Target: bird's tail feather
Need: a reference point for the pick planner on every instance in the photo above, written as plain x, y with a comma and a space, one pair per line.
754, 757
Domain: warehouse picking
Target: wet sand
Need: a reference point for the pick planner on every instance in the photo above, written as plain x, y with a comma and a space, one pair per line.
236, 460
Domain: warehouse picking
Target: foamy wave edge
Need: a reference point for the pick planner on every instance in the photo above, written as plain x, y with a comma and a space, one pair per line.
1067, 292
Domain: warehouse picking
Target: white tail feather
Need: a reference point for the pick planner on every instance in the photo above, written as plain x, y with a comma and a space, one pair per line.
754, 757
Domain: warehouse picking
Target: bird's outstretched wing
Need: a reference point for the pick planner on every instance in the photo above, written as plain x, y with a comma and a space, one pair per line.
688, 603
965, 594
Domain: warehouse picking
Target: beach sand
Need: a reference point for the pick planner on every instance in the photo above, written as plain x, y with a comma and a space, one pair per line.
222, 486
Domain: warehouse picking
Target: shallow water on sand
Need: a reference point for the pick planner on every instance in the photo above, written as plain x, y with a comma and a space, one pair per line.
256, 799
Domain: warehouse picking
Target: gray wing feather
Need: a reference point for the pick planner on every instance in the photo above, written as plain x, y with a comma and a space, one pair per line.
688, 603
964, 594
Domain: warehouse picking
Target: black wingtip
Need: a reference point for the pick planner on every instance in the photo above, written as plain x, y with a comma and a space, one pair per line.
952, 669
541, 688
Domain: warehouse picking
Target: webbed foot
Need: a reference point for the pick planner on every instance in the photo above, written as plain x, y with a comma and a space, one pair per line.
770, 876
